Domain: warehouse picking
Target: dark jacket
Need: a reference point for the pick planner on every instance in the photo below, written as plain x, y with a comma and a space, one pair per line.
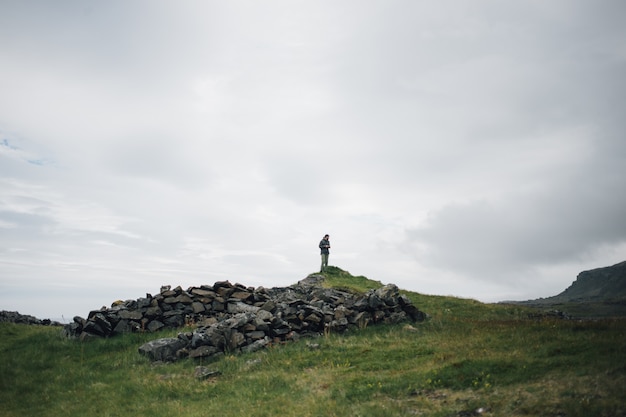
324, 246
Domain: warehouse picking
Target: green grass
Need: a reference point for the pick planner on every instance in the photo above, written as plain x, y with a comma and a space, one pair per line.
340, 279
466, 356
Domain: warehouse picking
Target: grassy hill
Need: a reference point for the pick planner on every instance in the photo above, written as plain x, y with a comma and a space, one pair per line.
468, 358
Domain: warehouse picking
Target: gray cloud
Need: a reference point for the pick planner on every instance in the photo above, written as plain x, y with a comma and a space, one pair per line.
566, 221
472, 149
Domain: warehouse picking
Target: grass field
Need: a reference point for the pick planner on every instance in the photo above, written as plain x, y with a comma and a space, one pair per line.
467, 359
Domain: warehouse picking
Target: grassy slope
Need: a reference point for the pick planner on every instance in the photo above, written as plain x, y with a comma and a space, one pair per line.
468, 355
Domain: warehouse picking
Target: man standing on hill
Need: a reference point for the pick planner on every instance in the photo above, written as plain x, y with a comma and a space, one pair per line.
324, 248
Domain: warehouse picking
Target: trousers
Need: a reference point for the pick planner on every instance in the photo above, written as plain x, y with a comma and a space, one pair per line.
324, 262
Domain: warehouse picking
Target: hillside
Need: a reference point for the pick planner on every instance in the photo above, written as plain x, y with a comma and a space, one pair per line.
466, 359
599, 292
600, 284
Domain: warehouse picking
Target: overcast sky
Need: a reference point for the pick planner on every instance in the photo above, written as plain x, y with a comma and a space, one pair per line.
466, 148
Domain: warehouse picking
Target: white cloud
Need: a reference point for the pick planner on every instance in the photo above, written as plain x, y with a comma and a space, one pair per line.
452, 148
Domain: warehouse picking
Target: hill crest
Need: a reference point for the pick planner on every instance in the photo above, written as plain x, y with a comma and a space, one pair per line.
599, 284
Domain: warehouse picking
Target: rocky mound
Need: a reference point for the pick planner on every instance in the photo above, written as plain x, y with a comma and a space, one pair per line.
15, 317
232, 317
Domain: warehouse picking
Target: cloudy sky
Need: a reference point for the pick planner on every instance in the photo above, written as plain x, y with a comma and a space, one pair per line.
461, 148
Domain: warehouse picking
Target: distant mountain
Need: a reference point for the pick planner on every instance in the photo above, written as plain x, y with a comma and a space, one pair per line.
599, 292
600, 284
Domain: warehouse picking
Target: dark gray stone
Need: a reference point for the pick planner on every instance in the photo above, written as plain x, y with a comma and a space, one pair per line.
197, 307
255, 335
162, 349
130, 314
257, 345
155, 325
240, 307
203, 351
153, 312
123, 326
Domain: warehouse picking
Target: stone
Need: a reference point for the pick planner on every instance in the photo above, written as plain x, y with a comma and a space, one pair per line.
200, 339
203, 293
236, 340
241, 295
203, 351
152, 312
183, 299
85, 336
225, 292
197, 307
414, 313
248, 327
341, 312
410, 328
222, 284
264, 315
207, 322
203, 373
269, 306
122, 326
130, 315
388, 294
218, 305
257, 345
280, 331
101, 326
71, 330
313, 318
396, 317
361, 319
173, 318
375, 302
239, 307
211, 336
162, 349
144, 302
339, 325
255, 335
155, 325
261, 324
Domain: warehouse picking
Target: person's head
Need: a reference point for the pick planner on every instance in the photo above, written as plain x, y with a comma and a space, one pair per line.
326, 237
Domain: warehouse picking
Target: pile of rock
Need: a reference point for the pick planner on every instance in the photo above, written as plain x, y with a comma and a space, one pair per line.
15, 317
232, 317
